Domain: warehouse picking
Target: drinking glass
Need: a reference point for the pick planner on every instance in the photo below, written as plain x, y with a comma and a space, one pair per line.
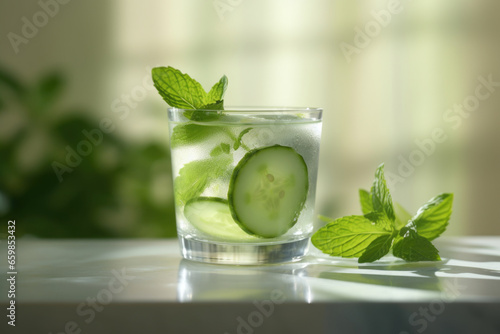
244, 182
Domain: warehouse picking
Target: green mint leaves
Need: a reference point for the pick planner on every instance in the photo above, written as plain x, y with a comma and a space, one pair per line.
192, 134
377, 248
381, 197
216, 94
384, 225
410, 246
238, 141
432, 218
349, 236
196, 176
365, 199
179, 90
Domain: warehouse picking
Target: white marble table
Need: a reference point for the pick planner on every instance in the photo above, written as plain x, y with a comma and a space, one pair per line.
143, 286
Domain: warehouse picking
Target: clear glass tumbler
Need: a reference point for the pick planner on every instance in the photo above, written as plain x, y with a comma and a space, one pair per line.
244, 182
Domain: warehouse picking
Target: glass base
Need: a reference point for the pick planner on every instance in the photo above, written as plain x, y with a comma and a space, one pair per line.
243, 254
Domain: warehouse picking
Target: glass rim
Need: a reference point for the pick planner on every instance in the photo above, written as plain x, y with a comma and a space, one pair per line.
239, 109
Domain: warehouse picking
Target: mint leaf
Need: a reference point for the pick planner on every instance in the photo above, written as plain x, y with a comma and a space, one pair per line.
432, 218
237, 142
377, 249
348, 236
380, 219
402, 216
190, 134
384, 225
218, 105
365, 199
412, 247
217, 92
381, 197
179, 90
220, 149
195, 176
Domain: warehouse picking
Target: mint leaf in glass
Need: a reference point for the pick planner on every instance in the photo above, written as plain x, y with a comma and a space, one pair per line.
191, 133
223, 148
347, 236
432, 218
195, 176
381, 197
412, 247
194, 133
238, 142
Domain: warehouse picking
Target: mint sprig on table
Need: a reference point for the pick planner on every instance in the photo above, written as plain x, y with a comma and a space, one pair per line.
385, 225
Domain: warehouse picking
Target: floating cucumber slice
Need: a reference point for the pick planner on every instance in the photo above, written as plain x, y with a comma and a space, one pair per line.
211, 215
268, 190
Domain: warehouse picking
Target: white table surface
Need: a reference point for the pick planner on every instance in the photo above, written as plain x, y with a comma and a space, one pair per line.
143, 286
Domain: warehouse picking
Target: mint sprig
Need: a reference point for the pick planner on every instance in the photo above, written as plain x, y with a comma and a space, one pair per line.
386, 225
179, 90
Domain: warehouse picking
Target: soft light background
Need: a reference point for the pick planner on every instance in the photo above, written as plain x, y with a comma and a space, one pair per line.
394, 92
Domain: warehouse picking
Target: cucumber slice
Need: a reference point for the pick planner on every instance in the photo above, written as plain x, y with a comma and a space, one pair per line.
211, 216
268, 190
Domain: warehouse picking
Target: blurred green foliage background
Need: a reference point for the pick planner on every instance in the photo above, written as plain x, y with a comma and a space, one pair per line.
108, 193
66, 68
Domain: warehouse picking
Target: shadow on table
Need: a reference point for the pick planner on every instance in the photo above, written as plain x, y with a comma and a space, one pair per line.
457, 250
475, 280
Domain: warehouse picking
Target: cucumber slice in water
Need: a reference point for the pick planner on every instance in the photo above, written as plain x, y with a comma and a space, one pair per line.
268, 190
211, 216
